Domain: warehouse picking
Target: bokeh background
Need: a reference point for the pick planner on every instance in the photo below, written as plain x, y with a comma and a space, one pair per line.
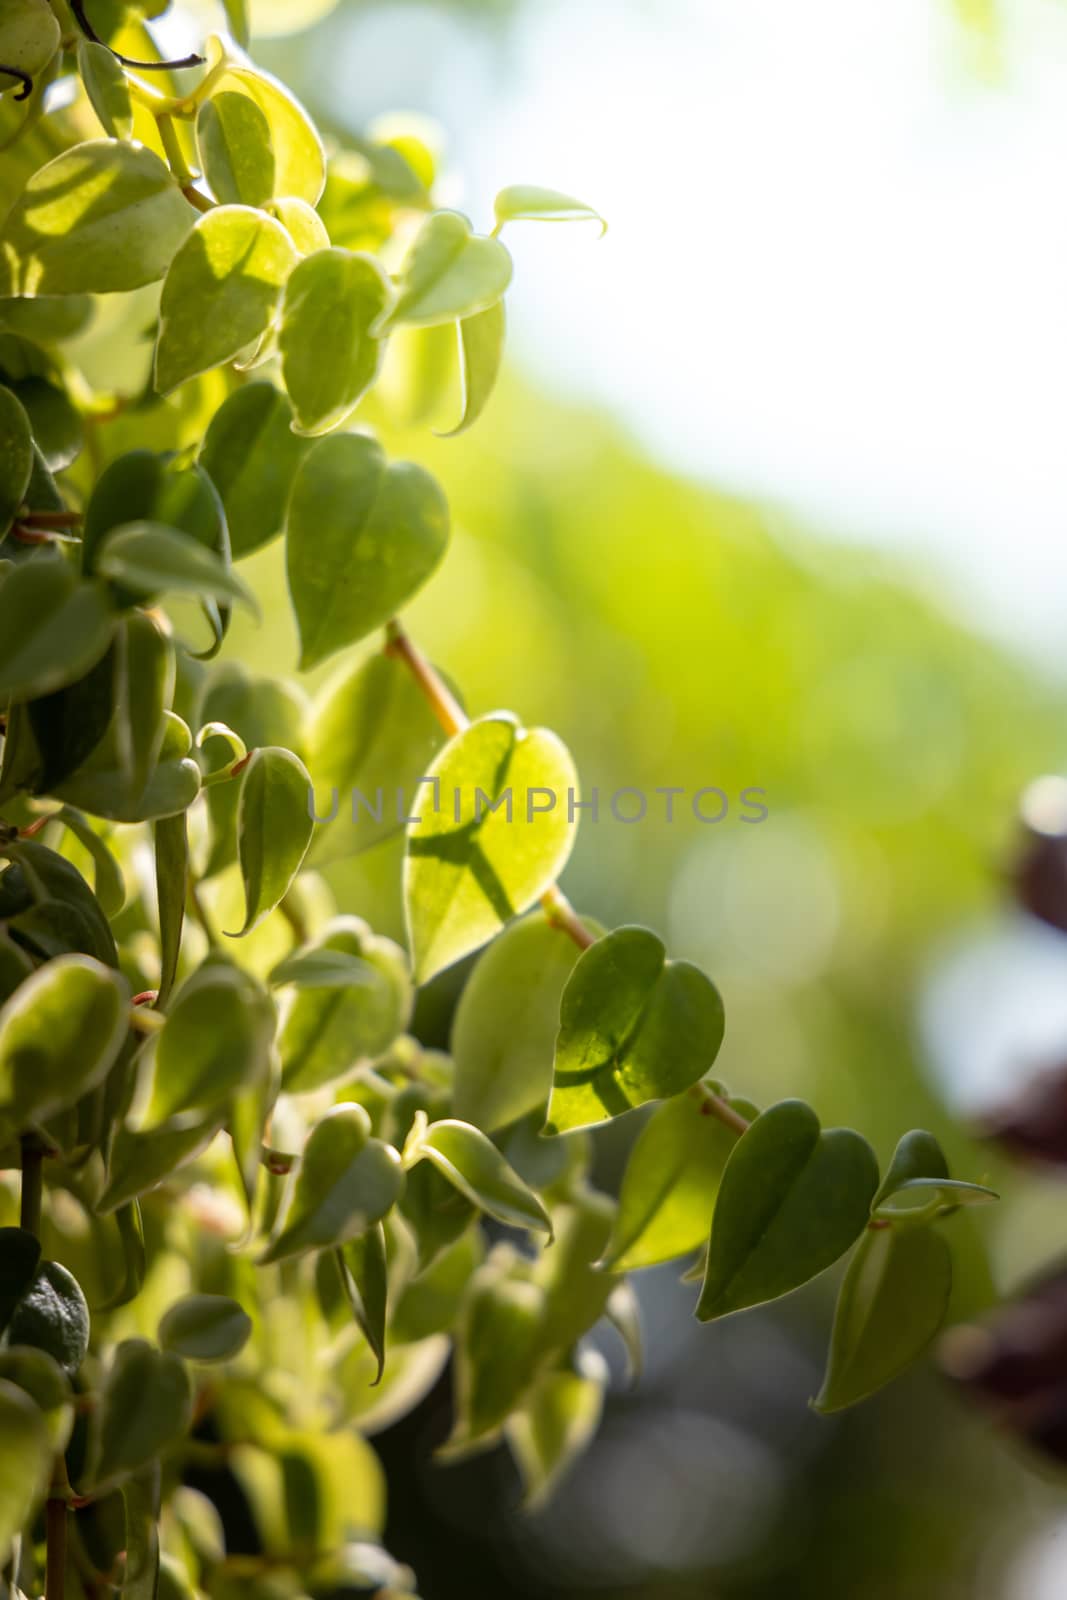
773, 495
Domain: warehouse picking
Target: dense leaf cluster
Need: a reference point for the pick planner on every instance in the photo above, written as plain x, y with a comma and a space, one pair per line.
224, 1144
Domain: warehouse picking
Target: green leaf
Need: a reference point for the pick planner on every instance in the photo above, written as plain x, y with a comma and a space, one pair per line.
145, 486
917, 1187
145, 1405
670, 1184
29, 36
205, 1327
16, 457
102, 217
108, 885
474, 1166
172, 879
481, 351
25, 1462
60, 1033
892, 1301
791, 1201
525, 202
372, 736
47, 319
52, 1316
20, 1255
216, 1040
504, 1029
141, 1161
274, 828
130, 1226
555, 1424
363, 537
238, 20
233, 137
58, 430
299, 160
346, 1182
576, 1290
329, 356
497, 1350
107, 86
43, 1379
54, 628
140, 1496
221, 292
251, 455
449, 272
329, 1032
151, 559
633, 1027
364, 1274
303, 224
59, 912
429, 1303
470, 868
323, 969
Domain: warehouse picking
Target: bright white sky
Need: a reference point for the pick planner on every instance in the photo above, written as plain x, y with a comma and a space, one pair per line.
837, 267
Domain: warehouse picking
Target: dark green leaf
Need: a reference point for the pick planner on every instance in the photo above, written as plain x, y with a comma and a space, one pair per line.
16, 457
150, 558
53, 628
145, 1405
52, 1316
791, 1201
20, 1254
252, 454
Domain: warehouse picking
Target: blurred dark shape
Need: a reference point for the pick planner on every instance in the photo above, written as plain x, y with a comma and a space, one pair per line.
1035, 1124
1040, 869
1015, 1363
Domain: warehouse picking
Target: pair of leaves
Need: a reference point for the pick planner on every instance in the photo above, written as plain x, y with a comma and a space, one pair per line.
633, 1027
363, 536
895, 1292
495, 830
346, 1181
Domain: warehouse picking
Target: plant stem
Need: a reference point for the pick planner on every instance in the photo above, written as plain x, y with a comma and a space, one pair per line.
32, 1184
55, 1523
453, 719
715, 1106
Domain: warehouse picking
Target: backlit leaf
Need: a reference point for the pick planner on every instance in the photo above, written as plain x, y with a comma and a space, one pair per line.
525, 202
328, 1032
107, 87
450, 272
346, 1182
329, 356
233, 137
481, 349
216, 1040
274, 829
60, 1033
474, 1165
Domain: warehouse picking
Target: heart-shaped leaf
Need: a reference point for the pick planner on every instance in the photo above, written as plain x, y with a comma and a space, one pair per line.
221, 292
525, 202
217, 1039
474, 1166
329, 356
145, 1405
633, 1027
363, 536
233, 137
670, 1184
16, 456
892, 1301
328, 1031
274, 829
205, 1327
450, 272
495, 829
60, 1034
481, 351
346, 1181
102, 217
504, 1029
299, 160
251, 455
792, 1199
